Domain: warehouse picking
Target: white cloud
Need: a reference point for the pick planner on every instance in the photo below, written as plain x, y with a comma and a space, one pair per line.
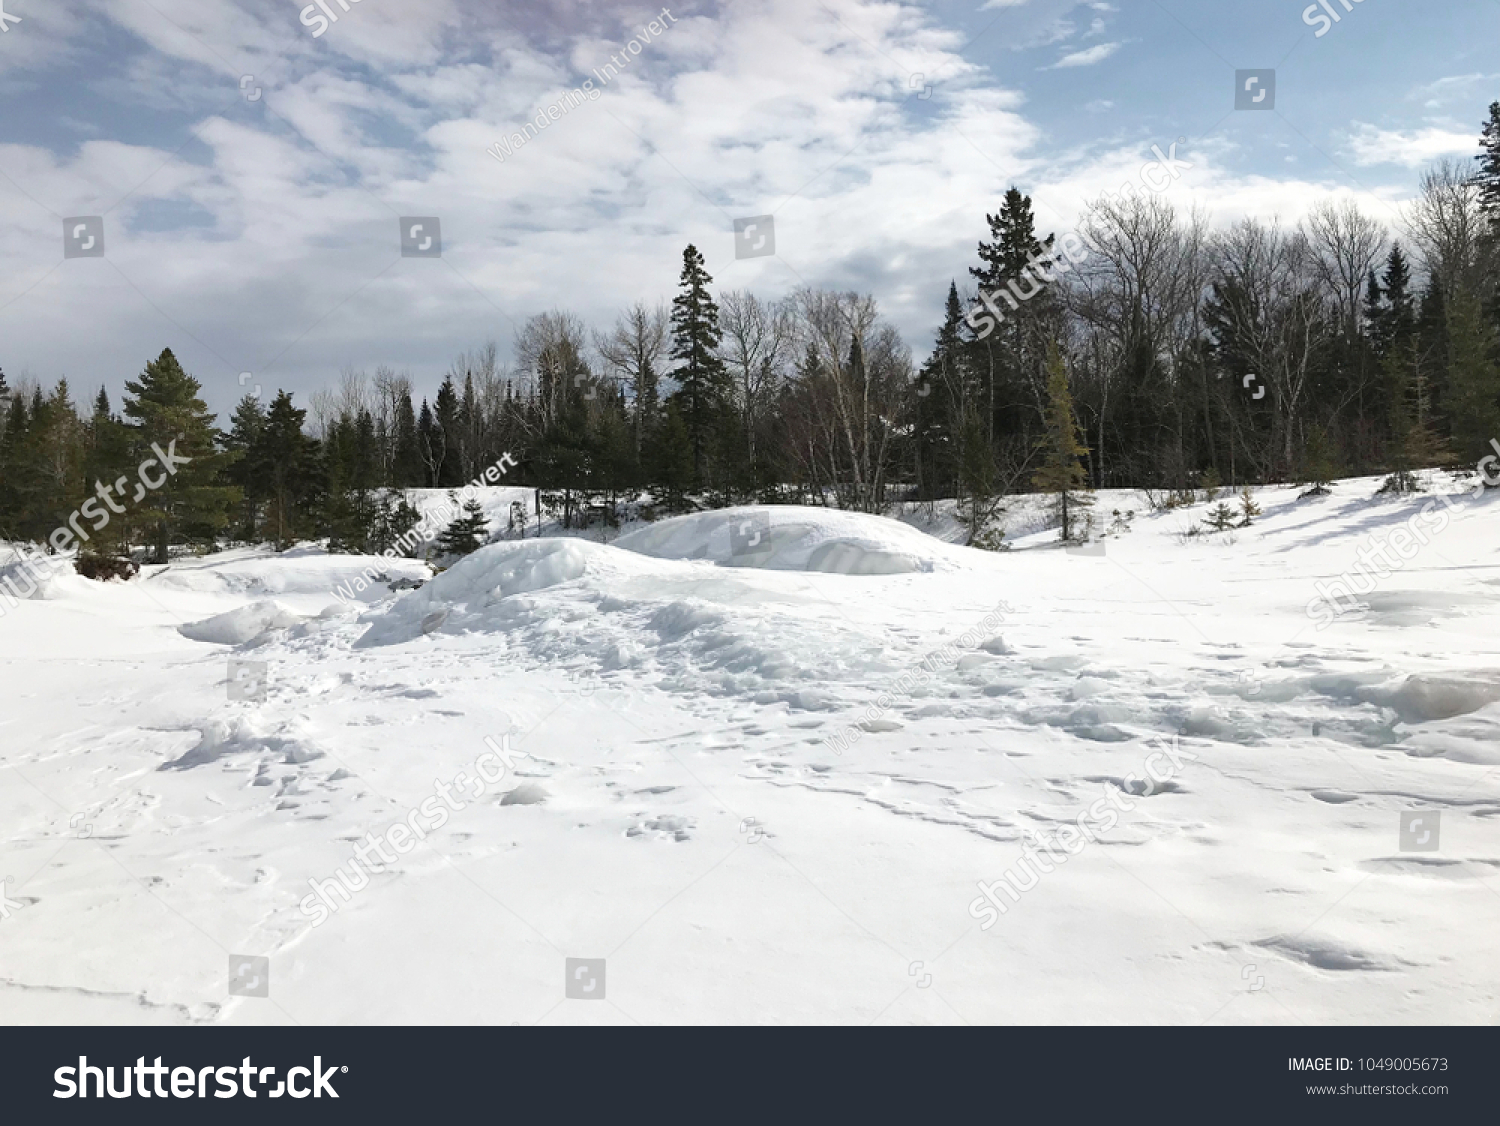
1087, 57
1370, 145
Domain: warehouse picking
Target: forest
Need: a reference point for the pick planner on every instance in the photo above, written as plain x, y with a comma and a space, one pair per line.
1168, 355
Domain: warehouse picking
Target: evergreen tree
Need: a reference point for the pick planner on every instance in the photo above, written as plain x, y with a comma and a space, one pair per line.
395, 516
430, 447
942, 396
107, 460
1415, 443
1473, 378
1248, 508
1221, 518
1318, 465
287, 461
467, 533
1488, 176
448, 456
171, 419
13, 466
1013, 275
246, 424
1062, 447
407, 469
671, 468
1395, 319
701, 379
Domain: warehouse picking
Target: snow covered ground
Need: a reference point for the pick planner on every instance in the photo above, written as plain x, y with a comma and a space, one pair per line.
759, 763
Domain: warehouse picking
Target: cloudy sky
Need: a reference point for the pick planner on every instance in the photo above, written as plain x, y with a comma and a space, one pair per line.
251, 175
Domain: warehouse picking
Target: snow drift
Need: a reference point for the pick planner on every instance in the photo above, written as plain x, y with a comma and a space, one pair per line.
793, 538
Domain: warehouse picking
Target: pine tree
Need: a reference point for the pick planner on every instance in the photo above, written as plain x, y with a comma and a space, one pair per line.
1473, 378
107, 460
1013, 275
13, 467
1415, 443
287, 461
1248, 508
1221, 518
429, 446
1395, 319
1318, 465
467, 533
407, 469
449, 457
1013, 247
395, 516
245, 426
170, 417
1489, 167
701, 379
671, 466
941, 393
1062, 448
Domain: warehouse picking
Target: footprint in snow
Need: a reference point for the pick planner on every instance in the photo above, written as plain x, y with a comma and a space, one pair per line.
668, 825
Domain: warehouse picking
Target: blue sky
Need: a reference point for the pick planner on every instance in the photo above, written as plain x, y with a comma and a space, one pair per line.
251, 176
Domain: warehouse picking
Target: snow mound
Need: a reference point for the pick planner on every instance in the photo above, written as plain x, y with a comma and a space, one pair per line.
40, 577
245, 623
791, 538
307, 569
1423, 699
466, 596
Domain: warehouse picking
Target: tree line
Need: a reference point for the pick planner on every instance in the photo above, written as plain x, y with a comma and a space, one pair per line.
1162, 355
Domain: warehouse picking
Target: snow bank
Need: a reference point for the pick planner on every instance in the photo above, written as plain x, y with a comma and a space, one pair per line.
41, 577
305, 570
245, 623
791, 538
466, 595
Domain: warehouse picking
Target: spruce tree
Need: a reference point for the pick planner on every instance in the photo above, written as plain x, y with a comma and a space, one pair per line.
429, 447
1015, 353
245, 426
287, 461
1473, 378
1318, 465
671, 463
1221, 518
407, 469
701, 379
1415, 442
940, 392
1488, 176
467, 533
1396, 318
107, 460
169, 416
1062, 447
448, 456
